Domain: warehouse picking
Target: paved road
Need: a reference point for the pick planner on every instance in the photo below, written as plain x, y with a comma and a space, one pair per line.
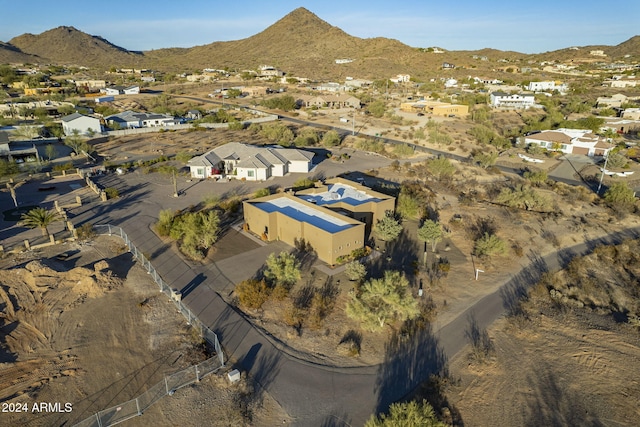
311, 393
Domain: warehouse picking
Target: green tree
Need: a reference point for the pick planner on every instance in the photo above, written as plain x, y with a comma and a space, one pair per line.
277, 132
377, 109
76, 142
39, 218
283, 269
490, 245
619, 196
8, 168
536, 177
197, 232
383, 301
355, 271
387, 228
523, 197
616, 160
409, 414
486, 159
284, 103
306, 137
440, 167
51, 152
27, 132
431, 232
331, 139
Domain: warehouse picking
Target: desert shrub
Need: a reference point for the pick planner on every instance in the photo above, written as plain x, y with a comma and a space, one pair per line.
490, 245
112, 193
262, 193
165, 220
403, 150
355, 271
86, 231
252, 293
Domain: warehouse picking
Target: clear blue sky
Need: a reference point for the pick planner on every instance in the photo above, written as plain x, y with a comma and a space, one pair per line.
528, 27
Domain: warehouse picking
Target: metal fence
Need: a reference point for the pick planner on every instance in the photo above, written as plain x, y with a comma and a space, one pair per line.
173, 382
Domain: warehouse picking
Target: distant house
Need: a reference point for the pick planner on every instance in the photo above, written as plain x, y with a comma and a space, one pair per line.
401, 78
193, 115
84, 125
511, 101
250, 162
132, 120
448, 65
122, 90
571, 141
614, 101
330, 101
547, 86
435, 108
631, 114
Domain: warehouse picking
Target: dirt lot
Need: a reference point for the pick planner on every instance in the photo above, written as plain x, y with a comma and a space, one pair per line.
572, 368
91, 329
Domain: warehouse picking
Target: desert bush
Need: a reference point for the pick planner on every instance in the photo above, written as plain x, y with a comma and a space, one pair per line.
489, 245
252, 293
112, 193
356, 271
86, 231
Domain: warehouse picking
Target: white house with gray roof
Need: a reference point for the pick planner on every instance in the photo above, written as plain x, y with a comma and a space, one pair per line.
84, 125
249, 162
130, 120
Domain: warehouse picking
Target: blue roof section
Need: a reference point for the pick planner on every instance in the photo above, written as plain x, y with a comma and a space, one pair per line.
304, 213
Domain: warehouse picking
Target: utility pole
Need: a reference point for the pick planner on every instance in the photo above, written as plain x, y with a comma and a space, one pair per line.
604, 168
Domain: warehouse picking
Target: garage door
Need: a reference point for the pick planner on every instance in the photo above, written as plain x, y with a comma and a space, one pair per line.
580, 150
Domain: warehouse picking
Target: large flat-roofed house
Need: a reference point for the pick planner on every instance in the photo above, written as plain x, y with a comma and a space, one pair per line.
348, 197
289, 218
250, 162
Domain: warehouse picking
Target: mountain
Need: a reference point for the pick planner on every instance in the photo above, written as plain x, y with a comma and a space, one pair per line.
69, 46
630, 47
10, 54
300, 44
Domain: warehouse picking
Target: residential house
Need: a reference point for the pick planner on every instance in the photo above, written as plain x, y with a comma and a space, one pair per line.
193, 115
131, 120
631, 114
401, 78
614, 101
83, 125
121, 90
330, 101
350, 198
289, 219
267, 71
436, 108
19, 155
623, 125
547, 86
250, 162
447, 65
511, 101
91, 85
571, 141
255, 90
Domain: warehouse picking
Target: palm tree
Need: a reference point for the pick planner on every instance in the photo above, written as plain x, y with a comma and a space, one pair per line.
39, 217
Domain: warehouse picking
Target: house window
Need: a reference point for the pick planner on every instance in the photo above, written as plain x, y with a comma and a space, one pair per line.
250, 174
200, 171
